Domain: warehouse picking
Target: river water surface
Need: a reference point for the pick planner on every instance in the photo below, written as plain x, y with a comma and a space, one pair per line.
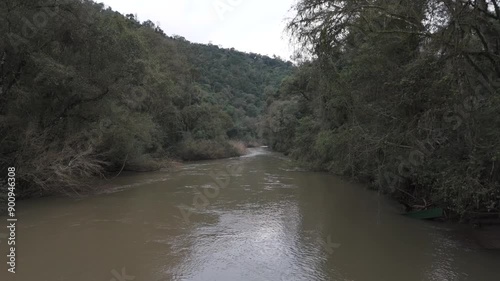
257, 217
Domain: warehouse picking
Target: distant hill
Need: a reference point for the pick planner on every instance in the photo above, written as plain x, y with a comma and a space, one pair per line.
239, 82
89, 90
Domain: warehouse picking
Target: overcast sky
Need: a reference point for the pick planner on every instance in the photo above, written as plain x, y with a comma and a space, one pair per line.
247, 25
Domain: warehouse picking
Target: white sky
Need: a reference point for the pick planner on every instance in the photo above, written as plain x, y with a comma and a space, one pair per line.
246, 25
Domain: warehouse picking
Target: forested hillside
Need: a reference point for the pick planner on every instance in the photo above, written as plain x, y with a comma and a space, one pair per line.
239, 82
401, 94
86, 90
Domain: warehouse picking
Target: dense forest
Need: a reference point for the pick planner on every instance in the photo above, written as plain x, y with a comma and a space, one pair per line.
401, 94
87, 92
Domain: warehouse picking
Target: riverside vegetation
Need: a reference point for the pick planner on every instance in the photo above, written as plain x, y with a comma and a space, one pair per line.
401, 94
86, 91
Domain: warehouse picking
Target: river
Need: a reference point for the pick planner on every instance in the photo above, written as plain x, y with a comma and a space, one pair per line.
258, 217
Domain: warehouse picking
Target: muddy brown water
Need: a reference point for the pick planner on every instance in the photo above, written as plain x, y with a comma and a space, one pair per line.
258, 217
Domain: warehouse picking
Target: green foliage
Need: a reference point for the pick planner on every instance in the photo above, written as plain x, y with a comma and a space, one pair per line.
85, 91
192, 149
404, 95
237, 81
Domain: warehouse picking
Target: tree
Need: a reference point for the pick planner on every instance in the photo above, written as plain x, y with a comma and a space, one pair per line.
405, 89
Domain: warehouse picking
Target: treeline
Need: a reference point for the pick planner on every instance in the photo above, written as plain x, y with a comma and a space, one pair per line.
241, 83
401, 94
85, 91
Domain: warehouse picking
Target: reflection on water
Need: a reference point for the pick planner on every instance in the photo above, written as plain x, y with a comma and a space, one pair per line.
257, 217
443, 259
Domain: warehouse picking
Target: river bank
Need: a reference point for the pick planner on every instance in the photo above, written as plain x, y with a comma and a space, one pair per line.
268, 219
484, 234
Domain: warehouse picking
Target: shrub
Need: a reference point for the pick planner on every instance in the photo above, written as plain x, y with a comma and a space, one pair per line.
191, 150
